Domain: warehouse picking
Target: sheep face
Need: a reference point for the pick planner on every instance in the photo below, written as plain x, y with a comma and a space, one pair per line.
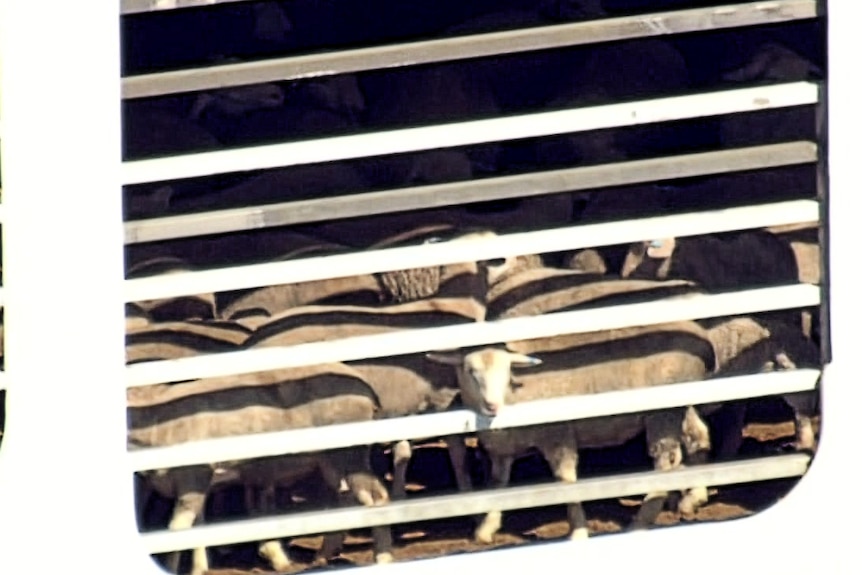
649, 259
485, 376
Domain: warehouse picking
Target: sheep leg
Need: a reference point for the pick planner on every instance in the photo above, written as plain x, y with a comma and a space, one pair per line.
354, 466
666, 452
401, 454
805, 439
191, 489
729, 422
697, 442
563, 460
263, 501
458, 458
144, 494
804, 405
501, 468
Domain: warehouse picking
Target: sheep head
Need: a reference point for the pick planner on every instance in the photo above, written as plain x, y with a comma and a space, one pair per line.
485, 376
649, 259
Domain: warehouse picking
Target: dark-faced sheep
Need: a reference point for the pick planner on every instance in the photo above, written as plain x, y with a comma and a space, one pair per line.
734, 261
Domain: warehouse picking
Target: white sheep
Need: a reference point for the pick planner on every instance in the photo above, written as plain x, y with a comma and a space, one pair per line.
584, 364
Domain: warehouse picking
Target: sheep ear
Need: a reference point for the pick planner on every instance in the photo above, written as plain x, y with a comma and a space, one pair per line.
448, 358
661, 249
521, 360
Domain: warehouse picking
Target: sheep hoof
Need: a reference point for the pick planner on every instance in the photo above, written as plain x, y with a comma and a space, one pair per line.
368, 490
692, 501
274, 553
484, 536
580, 533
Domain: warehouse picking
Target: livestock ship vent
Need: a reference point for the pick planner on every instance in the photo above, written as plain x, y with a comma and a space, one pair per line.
410, 279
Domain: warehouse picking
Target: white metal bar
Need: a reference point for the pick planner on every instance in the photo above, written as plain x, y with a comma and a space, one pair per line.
437, 507
139, 6
455, 193
65, 371
474, 249
405, 341
471, 132
467, 46
567, 408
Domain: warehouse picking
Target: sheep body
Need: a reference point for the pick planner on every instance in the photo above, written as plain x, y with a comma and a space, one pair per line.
170, 414
584, 364
405, 384
181, 308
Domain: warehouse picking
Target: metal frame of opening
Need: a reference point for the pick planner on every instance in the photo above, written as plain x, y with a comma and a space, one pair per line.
78, 363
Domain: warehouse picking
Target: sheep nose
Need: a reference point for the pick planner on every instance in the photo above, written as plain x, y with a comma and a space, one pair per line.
492, 408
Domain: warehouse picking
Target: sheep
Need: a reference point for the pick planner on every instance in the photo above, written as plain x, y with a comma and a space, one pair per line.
452, 280
805, 242
266, 401
181, 308
771, 62
746, 345
314, 107
540, 290
237, 100
597, 74
748, 259
581, 364
171, 340
440, 92
136, 317
405, 384
159, 127
752, 257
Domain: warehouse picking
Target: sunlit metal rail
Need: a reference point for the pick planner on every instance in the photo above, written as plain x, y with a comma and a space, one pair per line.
426, 508
461, 47
474, 249
457, 193
466, 421
471, 132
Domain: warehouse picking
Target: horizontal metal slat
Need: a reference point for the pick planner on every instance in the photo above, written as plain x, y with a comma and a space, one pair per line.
405, 341
456, 193
427, 508
466, 421
472, 46
470, 132
475, 249
139, 6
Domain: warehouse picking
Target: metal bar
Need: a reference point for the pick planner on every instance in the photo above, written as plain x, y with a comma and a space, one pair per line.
468, 46
567, 408
142, 6
470, 132
474, 249
455, 193
405, 341
48, 142
437, 507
